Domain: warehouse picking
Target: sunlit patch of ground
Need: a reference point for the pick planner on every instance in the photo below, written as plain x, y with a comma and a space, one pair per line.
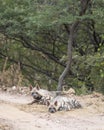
33, 108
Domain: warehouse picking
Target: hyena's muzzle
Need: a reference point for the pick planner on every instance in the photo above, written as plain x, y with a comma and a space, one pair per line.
52, 109
36, 96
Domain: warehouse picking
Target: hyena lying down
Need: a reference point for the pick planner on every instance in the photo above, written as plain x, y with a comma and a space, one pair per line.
60, 103
54, 103
41, 95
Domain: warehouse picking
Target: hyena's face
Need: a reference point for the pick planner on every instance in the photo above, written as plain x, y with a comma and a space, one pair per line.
35, 93
52, 106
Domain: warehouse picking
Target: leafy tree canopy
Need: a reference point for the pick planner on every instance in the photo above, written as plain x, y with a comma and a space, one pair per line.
36, 33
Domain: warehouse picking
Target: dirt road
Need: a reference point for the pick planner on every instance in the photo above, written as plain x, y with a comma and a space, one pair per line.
16, 115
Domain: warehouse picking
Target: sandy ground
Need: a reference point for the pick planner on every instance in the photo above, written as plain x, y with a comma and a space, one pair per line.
15, 114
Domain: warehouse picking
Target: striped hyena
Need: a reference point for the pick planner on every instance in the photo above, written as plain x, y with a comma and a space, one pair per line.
41, 95
62, 103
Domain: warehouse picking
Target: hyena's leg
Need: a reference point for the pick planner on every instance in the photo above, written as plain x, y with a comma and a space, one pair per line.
34, 101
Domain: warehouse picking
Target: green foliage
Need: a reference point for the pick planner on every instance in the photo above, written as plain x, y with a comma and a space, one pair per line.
97, 73
83, 90
90, 71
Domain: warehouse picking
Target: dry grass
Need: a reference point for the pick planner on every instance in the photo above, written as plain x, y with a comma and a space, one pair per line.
11, 76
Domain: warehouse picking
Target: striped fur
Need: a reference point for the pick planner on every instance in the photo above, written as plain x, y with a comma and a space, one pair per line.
62, 103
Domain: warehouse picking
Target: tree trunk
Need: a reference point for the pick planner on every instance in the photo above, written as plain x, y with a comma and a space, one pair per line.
69, 55
84, 5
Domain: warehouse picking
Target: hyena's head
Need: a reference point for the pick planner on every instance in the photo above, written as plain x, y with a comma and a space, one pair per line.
52, 106
35, 92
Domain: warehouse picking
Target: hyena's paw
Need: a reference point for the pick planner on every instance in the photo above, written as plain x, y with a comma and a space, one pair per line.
34, 101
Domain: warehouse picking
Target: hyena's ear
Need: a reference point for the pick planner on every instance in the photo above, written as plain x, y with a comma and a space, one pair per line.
30, 87
47, 103
37, 86
55, 103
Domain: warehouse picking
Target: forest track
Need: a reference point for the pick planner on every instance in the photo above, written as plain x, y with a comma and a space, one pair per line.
15, 114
